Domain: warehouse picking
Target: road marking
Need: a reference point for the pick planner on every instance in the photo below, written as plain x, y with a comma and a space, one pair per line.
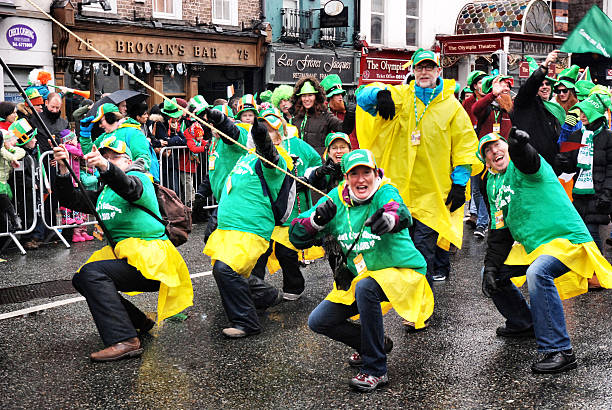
38, 308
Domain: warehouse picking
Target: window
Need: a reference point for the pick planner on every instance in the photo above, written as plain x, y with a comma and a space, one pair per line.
225, 12
412, 22
378, 17
96, 7
168, 9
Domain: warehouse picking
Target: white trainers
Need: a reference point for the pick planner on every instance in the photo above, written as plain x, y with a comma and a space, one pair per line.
292, 296
366, 383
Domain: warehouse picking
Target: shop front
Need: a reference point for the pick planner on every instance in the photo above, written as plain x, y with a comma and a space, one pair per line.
286, 65
386, 66
497, 35
178, 63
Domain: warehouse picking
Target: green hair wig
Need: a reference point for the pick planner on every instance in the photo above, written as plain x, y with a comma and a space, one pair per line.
282, 92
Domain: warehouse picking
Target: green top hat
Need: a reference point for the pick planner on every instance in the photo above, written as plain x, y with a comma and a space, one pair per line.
595, 106
583, 88
307, 88
474, 77
116, 145
171, 109
568, 77
225, 109
23, 131
490, 137
103, 109
533, 65
356, 158
600, 89
423, 55
332, 85
199, 104
247, 103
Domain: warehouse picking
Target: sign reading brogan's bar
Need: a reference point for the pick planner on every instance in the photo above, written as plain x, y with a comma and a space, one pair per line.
148, 48
290, 66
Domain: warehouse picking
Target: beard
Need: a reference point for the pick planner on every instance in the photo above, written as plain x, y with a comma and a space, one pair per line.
571, 101
337, 105
505, 102
53, 116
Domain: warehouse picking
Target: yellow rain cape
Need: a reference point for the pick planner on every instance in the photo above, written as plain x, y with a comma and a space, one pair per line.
281, 235
422, 172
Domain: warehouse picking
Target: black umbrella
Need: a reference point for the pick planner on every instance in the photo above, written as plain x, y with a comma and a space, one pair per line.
131, 96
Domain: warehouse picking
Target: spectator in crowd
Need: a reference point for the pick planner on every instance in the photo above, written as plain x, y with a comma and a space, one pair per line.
281, 99
52, 117
8, 114
9, 155
565, 88
335, 102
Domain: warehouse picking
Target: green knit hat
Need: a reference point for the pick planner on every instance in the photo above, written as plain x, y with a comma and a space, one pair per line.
422, 55
171, 109
490, 137
568, 77
23, 131
282, 92
198, 104
116, 145
583, 88
474, 77
307, 88
595, 106
356, 158
332, 84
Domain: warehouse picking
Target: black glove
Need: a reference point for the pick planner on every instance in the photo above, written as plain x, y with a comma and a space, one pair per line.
351, 107
343, 276
329, 168
563, 163
259, 132
381, 222
456, 197
299, 187
385, 105
325, 213
489, 281
603, 203
214, 116
517, 137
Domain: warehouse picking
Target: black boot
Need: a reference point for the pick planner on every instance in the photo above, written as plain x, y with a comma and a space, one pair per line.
14, 221
555, 362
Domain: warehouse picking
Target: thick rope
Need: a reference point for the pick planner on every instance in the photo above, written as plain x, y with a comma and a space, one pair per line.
185, 111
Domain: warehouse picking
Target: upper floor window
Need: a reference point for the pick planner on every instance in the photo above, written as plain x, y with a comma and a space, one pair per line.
225, 12
377, 22
412, 22
99, 8
168, 9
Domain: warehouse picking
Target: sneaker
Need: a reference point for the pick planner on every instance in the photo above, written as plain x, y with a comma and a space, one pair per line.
32, 244
438, 277
355, 359
480, 232
409, 326
471, 221
292, 296
235, 333
555, 362
504, 331
366, 383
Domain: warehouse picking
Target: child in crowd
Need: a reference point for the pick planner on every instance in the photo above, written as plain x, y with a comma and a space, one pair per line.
9, 155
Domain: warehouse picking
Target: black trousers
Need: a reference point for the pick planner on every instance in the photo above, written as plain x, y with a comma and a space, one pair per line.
293, 280
99, 282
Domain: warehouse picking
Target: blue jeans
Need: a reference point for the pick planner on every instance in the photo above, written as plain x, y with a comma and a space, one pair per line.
482, 219
330, 319
546, 307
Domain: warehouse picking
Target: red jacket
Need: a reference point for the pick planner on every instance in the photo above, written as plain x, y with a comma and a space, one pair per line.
187, 161
468, 103
480, 109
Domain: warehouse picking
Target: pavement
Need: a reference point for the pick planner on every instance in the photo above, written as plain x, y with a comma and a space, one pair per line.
458, 362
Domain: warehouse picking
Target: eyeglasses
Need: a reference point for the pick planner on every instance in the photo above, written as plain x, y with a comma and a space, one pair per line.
546, 83
427, 67
562, 91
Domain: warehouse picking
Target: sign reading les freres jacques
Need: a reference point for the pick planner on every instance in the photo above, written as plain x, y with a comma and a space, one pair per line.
290, 66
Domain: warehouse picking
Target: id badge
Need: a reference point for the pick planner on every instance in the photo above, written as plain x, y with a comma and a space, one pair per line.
211, 162
360, 264
228, 184
416, 137
496, 127
499, 219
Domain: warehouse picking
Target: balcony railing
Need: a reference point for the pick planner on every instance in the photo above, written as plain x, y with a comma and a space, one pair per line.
297, 25
336, 35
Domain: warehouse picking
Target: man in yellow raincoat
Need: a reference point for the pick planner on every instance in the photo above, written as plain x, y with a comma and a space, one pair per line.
425, 142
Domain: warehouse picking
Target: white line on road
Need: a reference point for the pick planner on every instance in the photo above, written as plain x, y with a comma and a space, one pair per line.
38, 308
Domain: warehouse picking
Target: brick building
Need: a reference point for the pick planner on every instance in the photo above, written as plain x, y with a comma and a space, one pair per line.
180, 47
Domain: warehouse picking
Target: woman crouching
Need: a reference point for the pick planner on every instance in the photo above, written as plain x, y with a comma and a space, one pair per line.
143, 259
381, 269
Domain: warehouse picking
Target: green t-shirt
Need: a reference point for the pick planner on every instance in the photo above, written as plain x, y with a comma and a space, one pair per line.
534, 207
243, 206
308, 157
124, 220
221, 160
391, 250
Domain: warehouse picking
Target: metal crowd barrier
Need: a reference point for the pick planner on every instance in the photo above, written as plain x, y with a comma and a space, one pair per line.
53, 218
173, 174
24, 201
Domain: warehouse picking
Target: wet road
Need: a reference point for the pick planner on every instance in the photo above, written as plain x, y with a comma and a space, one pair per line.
457, 363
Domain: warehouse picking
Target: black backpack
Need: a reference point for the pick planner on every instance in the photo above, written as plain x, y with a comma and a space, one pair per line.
283, 205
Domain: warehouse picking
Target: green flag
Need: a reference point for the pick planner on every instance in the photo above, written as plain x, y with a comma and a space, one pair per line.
591, 35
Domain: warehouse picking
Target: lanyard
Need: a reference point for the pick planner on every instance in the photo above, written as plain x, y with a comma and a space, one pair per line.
496, 114
416, 114
303, 125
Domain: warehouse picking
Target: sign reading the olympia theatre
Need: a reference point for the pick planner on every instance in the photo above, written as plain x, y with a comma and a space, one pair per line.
384, 66
21, 37
147, 48
472, 46
291, 66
